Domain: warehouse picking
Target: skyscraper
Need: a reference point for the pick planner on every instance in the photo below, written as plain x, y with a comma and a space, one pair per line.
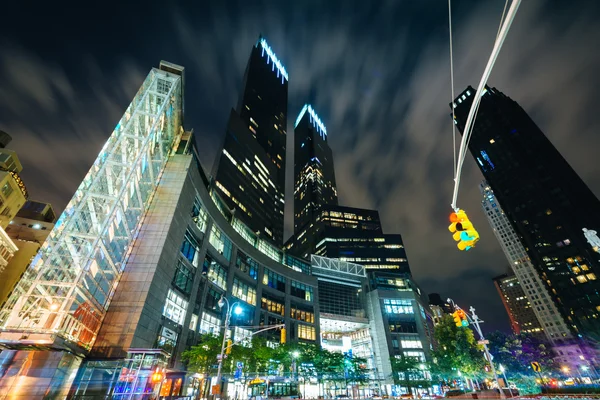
545, 201
551, 322
28, 230
250, 170
314, 173
517, 305
352, 235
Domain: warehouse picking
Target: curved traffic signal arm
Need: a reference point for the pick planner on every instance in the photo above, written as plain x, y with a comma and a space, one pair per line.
463, 231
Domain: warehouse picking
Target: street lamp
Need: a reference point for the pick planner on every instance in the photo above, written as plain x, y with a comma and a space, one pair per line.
237, 310
502, 369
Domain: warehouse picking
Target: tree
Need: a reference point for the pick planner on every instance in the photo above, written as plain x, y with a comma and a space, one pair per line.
202, 358
457, 350
409, 372
516, 353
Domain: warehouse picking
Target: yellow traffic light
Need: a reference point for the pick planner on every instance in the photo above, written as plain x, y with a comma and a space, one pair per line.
457, 319
463, 231
463, 318
283, 336
229, 345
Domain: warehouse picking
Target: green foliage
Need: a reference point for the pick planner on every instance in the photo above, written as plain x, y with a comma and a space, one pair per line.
457, 351
203, 357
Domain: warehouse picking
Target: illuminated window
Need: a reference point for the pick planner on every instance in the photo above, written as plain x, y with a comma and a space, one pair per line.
193, 322
492, 141
210, 324
253, 122
398, 306
175, 307
411, 342
302, 315
591, 277
272, 306
223, 189
575, 270
220, 242
252, 129
306, 332
244, 292
416, 354
581, 279
274, 280
215, 272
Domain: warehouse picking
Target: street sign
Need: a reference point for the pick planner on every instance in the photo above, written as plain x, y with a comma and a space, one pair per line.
536, 366
483, 341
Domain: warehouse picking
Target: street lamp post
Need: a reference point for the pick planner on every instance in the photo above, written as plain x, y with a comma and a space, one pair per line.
238, 310
503, 370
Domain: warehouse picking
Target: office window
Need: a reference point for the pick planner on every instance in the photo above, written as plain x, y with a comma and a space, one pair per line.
306, 332
301, 290
243, 291
417, 354
217, 274
411, 342
398, 306
274, 280
175, 307
402, 326
7, 190
302, 315
183, 278
220, 242
190, 249
199, 215
210, 324
247, 265
193, 322
272, 306
167, 339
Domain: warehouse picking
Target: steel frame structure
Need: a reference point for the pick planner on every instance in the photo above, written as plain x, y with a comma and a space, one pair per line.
64, 294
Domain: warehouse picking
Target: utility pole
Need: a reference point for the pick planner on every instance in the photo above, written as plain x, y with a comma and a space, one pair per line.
476, 321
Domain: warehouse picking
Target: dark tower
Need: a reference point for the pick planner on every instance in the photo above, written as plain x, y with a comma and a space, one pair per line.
314, 174
545, 201
250, 173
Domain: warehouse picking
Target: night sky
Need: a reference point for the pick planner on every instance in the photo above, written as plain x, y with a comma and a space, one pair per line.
376, 72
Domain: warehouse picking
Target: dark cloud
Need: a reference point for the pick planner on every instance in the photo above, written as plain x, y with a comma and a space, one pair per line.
378, 75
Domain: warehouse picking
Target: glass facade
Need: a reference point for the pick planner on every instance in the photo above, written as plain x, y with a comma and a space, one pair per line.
68, 286
545, 200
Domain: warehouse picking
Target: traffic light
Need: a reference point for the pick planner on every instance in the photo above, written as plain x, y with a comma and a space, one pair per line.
457, 319
463, 231
229, 345
463, 318
460, 318
283, 336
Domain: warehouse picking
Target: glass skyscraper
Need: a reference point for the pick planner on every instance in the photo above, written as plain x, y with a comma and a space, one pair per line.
314, 173
545, 201
250, 171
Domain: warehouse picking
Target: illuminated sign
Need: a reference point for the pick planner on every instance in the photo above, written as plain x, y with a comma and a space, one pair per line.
275, 61
314, 118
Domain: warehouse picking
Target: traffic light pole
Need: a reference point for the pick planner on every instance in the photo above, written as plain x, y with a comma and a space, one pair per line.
476, 321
